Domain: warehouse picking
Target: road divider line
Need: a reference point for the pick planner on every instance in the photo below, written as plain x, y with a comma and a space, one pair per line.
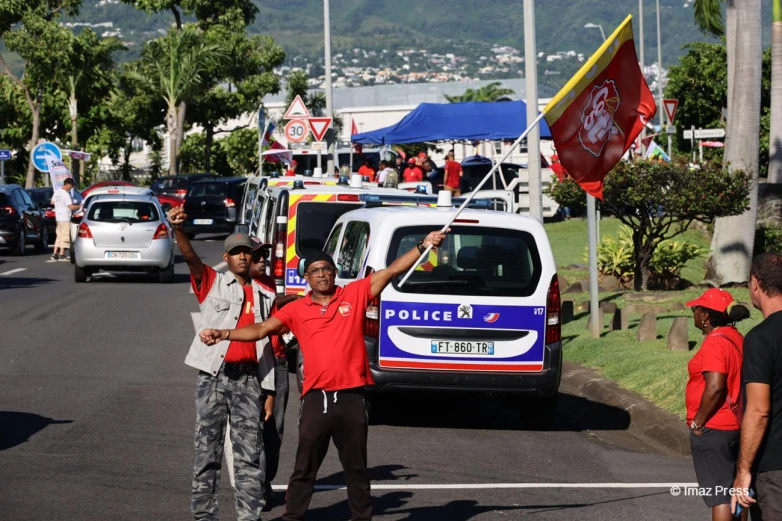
495, 486
11, 272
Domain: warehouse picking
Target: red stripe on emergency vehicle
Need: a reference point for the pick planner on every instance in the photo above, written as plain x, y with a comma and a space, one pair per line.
400, 364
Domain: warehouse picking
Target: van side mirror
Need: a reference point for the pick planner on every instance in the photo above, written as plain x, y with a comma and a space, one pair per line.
300, 268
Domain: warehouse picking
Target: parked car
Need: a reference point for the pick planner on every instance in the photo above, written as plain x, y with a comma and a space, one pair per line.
103, 184
176, 185
124, 232
168, 202
211, 205
43, 198
22, 222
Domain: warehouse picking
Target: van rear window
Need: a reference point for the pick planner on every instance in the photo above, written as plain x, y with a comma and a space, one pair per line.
314, 221
475, 261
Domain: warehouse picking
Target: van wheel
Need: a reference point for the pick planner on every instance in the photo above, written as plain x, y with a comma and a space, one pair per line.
80, 274
166, 276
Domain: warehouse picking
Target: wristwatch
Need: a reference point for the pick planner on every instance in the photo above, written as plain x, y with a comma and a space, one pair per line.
695, 427
421, 247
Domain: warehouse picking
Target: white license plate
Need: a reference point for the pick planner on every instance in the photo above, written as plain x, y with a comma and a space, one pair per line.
458, 347
125, 255
203, 221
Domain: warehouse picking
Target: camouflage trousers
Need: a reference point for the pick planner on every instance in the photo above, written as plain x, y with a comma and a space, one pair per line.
233, 396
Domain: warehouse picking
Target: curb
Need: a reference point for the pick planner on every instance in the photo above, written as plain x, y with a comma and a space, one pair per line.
651, 425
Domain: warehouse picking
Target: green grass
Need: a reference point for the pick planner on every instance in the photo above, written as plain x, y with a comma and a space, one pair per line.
647, 368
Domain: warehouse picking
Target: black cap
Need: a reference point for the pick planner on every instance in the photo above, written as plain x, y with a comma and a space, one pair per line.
316, 256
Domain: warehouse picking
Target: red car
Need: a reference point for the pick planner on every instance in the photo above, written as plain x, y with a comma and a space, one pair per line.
87, 190
168, 202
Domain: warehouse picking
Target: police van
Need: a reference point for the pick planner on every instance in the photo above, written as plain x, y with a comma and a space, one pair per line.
299, 218
480, 314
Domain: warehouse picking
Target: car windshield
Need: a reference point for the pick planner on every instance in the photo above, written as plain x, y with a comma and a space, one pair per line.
209, 189
314, 222
476, 261
123, 211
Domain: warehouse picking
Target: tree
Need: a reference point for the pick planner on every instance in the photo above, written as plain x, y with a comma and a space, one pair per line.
658, 201
490, 92
734, 237
178, 61
207, 12
30, 28
775, 118
87, 78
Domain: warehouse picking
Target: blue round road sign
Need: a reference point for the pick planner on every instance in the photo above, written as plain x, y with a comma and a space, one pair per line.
41, 151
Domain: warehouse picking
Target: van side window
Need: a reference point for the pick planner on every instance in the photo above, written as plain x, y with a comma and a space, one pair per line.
331, 244
354, 246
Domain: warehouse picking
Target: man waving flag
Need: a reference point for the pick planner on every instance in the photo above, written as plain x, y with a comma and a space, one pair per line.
597, 116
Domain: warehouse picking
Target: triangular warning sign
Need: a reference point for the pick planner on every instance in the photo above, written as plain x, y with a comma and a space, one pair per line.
670, 106
319, 127
297, 109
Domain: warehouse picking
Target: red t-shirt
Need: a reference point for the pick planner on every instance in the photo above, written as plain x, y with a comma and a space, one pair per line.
277, 345
452, 168
290, 173
332, 339
413, 174
367, 171
720, 355
237, 351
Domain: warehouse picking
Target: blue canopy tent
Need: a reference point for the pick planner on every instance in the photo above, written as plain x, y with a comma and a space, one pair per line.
472, 121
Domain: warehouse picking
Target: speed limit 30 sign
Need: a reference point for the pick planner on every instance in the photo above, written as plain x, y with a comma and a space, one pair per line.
297, 130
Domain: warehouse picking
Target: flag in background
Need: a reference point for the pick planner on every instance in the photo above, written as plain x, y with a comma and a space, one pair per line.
268, 131
655, 152
597, 115
57, 170
354, 130
278, 153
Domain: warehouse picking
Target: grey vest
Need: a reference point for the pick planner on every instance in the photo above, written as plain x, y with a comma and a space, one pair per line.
221, 310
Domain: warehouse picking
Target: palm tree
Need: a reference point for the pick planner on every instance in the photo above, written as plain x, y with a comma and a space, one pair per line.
490, 92
734, 237
178, 61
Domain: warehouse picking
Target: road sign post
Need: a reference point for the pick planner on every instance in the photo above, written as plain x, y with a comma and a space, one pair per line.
5, 155
670, 106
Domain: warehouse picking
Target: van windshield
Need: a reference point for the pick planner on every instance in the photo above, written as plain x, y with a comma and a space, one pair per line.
314, 221
478, 261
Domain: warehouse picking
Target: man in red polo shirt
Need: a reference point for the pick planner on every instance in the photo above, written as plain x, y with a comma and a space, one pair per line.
292, 170
328, 323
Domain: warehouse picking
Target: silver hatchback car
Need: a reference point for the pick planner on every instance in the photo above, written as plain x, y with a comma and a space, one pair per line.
124, 233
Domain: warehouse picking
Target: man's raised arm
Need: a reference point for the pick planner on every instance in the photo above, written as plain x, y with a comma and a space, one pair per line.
177, 217
381, 279
251, 333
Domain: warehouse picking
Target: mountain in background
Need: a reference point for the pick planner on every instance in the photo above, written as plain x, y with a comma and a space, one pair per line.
467, 28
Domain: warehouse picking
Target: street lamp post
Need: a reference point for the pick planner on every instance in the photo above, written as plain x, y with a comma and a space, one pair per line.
531, 86
596, 26
329, 93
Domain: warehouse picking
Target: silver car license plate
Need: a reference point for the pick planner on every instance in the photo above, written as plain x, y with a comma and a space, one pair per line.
203, 221
124, 255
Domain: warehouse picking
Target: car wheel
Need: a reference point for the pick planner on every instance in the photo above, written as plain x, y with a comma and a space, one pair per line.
80, 274
71, 254
43, 244
21, 243
166, 276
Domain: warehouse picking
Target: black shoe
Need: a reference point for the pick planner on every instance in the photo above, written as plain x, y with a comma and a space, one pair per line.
268, 494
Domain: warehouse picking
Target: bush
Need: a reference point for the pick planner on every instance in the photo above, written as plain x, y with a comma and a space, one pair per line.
615, 257
768, 239
567, 193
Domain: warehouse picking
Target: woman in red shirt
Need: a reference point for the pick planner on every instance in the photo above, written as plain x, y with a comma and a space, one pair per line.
713, 397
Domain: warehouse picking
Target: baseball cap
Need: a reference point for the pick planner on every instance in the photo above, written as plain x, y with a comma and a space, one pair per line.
714, 298
237, 240
411, 160
258, 244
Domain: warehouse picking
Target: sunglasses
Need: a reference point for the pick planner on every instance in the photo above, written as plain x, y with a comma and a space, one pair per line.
261, 254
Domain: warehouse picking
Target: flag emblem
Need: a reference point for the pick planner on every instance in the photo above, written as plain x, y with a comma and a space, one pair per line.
597, 119
491, 317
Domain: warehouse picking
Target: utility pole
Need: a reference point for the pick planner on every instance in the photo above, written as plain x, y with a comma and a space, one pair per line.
660, 107
641, 36
533, 138
329, 99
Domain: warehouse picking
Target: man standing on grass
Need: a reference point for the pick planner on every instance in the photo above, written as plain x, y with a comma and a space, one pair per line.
328, 323
235, 380
761, 427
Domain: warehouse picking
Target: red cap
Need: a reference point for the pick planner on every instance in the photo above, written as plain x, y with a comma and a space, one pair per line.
294, 162
422, 155
411, 160
716, 299
555, 157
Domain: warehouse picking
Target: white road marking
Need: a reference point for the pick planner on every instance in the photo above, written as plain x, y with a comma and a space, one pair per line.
494, 486
11, 272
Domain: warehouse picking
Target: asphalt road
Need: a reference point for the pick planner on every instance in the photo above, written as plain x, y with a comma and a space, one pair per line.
97, 416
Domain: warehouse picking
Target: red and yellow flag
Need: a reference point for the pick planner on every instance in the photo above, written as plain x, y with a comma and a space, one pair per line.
596, 117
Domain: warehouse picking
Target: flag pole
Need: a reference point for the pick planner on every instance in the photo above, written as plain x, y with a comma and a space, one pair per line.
594, 312
472, 194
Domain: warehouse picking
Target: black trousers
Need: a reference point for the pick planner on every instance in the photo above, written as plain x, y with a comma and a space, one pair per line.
339, 416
